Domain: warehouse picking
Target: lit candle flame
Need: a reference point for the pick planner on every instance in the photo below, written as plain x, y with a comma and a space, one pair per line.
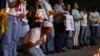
7, 10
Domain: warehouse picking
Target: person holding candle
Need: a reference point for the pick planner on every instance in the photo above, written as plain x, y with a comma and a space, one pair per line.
11, 36
37, 39
47, 48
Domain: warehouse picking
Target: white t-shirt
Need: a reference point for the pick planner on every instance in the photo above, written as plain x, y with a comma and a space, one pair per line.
94, 14
35, 35
84, 21
58, 8
15, 13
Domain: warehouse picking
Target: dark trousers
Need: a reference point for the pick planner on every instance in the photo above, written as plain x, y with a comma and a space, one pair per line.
66, 39
59, 30
94, 31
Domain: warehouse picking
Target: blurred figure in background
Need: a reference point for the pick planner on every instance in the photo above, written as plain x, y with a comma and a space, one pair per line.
59, 26
12, 34
77, 18
48, 48
94, 19
33, 43
83, 28
24, 26
69, 26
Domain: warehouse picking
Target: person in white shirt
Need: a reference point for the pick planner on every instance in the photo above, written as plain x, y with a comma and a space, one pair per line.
12, 34
38, 37
59, 26
47, 48
83, 28
94, 19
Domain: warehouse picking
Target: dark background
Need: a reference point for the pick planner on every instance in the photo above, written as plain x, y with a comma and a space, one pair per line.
82, 3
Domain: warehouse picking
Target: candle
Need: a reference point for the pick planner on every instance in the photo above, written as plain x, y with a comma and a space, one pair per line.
7, 10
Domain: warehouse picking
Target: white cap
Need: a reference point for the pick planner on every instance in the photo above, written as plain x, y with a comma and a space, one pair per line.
47, 24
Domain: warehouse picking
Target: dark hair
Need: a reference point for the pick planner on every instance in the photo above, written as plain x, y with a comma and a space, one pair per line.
94, 8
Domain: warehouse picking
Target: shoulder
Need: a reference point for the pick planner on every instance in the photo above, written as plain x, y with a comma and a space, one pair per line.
97, 12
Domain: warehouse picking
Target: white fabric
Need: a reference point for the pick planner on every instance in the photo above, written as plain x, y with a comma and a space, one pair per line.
43, 13
48, 7
23, 9
58, 8
12, 12
69, 22
94, 14
15, 13
47, 24
76, 34
35, 35
84, 21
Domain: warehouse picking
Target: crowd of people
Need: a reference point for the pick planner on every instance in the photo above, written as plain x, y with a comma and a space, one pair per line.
43, 27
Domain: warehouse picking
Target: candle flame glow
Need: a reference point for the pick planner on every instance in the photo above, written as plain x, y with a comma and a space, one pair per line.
95, 55
7, 10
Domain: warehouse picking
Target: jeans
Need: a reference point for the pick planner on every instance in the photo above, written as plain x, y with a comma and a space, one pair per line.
47, 47
82, 36
94, 31
66, 39
48, 43
10, 40
36, 51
